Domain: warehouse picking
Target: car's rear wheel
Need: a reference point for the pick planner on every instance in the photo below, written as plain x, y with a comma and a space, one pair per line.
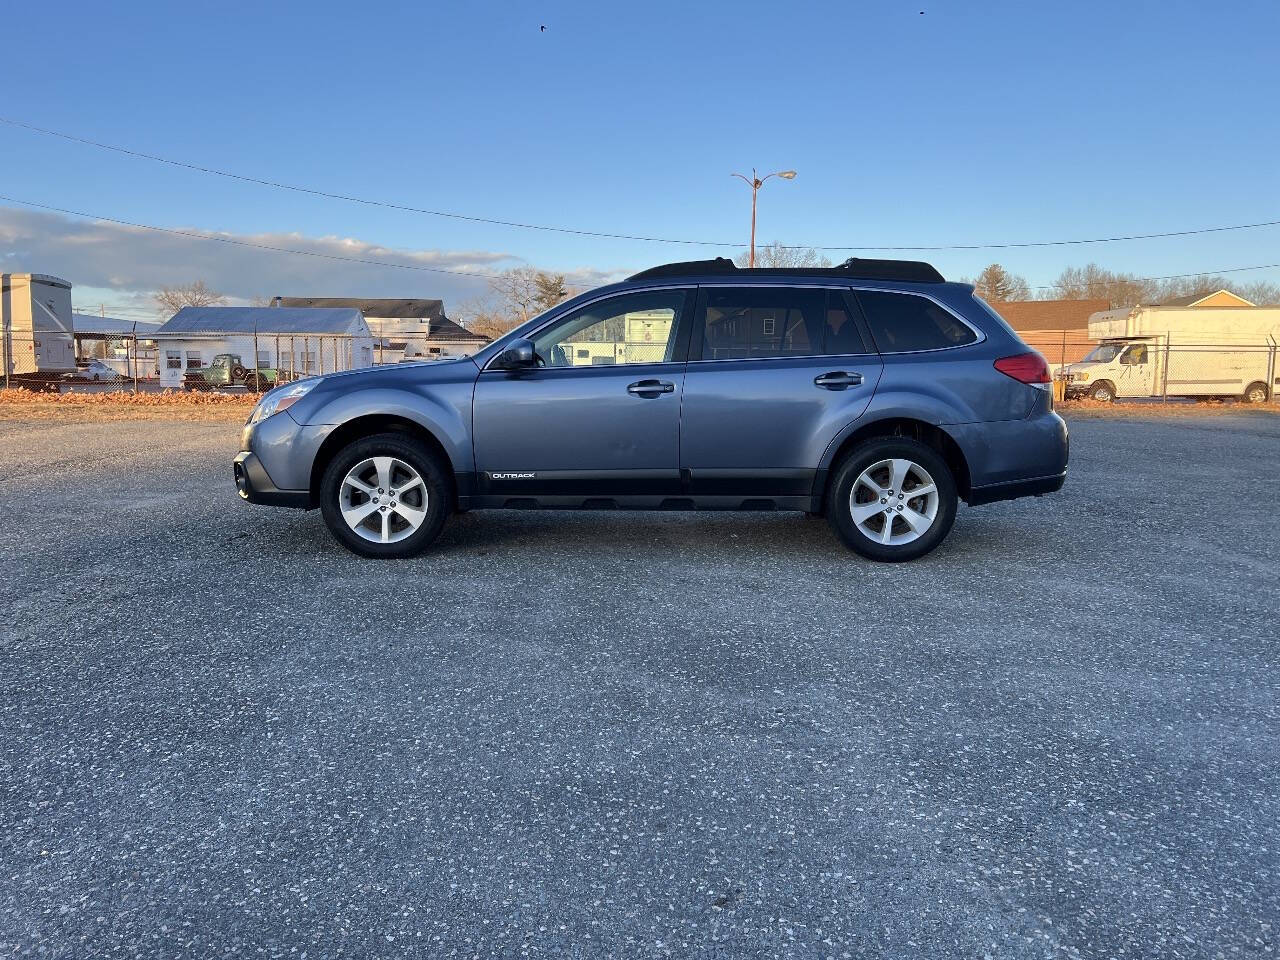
385, 496
1255, 393
892, 499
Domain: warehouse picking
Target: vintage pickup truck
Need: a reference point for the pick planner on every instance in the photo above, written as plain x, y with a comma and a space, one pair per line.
228, 370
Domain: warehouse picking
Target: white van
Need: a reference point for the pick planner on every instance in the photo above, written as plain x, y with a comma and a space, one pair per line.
1158, 351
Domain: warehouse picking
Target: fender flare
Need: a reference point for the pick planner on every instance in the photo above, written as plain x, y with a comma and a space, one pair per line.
423, 409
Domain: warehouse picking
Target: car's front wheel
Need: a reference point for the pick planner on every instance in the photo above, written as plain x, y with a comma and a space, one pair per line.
892, 499
385, 496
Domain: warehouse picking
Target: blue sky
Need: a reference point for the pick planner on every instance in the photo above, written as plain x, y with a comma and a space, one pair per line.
975, 122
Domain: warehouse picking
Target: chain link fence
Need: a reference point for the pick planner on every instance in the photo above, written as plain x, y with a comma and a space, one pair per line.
1139, 368
234, 362
1158, 368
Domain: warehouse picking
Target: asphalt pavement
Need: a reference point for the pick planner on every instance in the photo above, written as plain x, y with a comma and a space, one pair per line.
594, 734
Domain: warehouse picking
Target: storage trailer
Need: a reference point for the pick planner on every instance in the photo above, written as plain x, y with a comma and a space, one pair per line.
37, 348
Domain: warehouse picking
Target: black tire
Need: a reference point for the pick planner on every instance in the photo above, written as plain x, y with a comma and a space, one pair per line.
868, 454
1255, 393
436, 477
1103, 391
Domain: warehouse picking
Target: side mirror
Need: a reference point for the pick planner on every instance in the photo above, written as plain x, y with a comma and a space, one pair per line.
519, 354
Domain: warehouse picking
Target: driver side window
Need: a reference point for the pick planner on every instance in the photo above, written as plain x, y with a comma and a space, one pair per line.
632, 328
1135, 355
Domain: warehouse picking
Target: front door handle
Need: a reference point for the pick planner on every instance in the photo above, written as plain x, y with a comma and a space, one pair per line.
650, 388
838, 380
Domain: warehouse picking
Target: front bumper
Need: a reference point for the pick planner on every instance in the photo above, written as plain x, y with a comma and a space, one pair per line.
254, 484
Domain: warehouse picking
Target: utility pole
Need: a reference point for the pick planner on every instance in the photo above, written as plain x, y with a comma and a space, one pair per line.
755, 183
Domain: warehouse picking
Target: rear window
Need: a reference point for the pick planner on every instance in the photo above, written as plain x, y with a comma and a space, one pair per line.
741, 323
903, 322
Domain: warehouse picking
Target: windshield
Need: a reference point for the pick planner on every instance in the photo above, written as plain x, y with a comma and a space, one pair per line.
1103, 353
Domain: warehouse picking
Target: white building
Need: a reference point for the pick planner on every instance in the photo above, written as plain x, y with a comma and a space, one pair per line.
300, 340
403, 329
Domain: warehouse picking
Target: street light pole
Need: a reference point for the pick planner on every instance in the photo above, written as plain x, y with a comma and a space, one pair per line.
755, 183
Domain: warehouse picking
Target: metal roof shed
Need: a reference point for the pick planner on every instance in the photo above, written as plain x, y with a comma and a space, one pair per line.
302, 340
327, 321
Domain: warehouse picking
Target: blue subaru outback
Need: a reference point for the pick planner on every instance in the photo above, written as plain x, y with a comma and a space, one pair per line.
874, 392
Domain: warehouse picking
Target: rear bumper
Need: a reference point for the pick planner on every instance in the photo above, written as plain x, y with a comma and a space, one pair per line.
1014, 489
1014, 458
254, 484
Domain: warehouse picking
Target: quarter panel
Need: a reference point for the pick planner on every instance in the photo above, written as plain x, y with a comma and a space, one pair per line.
960, 384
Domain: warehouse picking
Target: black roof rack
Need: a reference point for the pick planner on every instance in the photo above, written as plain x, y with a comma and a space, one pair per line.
916, 271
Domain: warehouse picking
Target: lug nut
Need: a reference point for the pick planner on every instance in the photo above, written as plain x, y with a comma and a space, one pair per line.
884, 500
393, 503
899, 508
380, 490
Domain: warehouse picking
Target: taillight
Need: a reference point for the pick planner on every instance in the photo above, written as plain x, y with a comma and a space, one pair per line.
1025, 367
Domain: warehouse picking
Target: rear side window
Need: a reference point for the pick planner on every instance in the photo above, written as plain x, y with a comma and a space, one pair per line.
753, 323
902, 322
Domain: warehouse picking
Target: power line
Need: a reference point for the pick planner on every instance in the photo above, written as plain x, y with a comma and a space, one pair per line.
350, 199
390, 205
462, 273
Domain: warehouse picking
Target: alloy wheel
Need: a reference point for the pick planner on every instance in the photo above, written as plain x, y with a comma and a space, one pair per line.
894, 502
383, 499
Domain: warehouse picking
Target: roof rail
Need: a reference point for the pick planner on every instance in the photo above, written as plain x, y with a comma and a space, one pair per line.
916, 271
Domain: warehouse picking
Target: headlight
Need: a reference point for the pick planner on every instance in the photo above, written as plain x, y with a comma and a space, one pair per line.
1080, 376
281, 398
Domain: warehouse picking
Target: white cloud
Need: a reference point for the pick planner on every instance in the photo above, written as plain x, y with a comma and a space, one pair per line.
119, 266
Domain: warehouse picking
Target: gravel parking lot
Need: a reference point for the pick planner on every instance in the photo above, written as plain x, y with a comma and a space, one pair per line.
639, 734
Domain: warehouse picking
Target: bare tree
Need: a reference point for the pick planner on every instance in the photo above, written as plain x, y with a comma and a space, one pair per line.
169, 300
514, 297
1261, 292
1092, 282
479, 315
995, 284
551, 289
777, 255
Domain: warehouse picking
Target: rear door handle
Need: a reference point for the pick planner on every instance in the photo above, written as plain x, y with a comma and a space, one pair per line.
650, 388
838, 380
